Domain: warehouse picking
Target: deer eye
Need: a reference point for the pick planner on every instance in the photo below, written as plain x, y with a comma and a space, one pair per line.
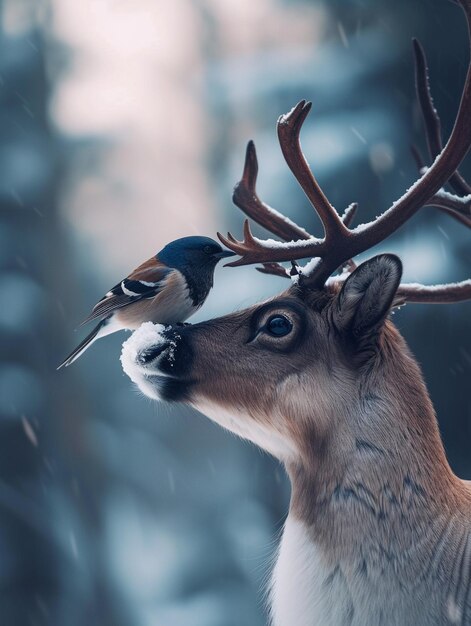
279, 326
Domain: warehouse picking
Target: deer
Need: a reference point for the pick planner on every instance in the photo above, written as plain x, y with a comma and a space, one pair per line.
379, 527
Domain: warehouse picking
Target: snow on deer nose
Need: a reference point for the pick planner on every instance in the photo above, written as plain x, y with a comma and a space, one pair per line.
143, 349
155, 359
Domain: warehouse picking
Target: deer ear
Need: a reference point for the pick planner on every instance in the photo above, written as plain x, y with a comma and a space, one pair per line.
367, 295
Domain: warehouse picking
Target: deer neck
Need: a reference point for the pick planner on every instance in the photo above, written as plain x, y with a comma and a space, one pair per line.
382, 454
371, 508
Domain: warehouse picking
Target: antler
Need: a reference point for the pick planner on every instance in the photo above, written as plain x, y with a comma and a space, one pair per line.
456, 206
246, 198
430, 116
340, 243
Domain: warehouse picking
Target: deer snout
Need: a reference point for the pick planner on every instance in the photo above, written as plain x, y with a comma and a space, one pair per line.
145, 344
150, 354
141, 353
158, 360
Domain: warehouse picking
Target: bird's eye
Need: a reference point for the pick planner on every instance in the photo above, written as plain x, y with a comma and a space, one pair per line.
279, 326
208, 250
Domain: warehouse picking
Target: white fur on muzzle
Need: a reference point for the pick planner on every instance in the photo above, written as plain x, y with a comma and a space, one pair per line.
144, 374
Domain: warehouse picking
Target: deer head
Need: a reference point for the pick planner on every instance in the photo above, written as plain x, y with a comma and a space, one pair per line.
275, 373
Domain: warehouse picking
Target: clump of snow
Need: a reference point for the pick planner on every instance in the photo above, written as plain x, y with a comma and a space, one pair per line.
362, 227
310, 266
446, 195
284, 245
148, 334
441, 287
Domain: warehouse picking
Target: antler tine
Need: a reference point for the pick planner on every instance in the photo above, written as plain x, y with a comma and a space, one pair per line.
289, 127
456, 206
430, 115
432, 180
459, 208
231, 238
275, 269
424, 98
248, 237
349, 214
435, 294
253, 250
246, 198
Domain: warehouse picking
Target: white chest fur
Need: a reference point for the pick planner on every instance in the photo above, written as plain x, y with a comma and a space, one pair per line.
302, 589
307, 590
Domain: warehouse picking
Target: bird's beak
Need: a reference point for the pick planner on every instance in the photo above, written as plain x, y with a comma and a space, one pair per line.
223, 254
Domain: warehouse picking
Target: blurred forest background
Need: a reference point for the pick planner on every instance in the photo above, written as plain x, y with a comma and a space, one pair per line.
123, 125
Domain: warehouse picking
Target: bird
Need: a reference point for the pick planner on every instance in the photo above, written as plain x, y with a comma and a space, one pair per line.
166, 289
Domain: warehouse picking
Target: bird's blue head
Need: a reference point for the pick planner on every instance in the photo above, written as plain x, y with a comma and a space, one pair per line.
189, 254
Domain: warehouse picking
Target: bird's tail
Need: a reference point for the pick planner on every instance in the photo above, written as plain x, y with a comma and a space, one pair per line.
86, 343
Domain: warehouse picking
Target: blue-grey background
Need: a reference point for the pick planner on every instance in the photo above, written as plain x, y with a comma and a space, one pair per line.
123, 125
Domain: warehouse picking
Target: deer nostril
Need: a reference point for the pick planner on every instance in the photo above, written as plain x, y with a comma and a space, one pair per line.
146, 356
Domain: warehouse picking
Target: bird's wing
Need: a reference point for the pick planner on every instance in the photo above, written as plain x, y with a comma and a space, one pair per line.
146, 281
